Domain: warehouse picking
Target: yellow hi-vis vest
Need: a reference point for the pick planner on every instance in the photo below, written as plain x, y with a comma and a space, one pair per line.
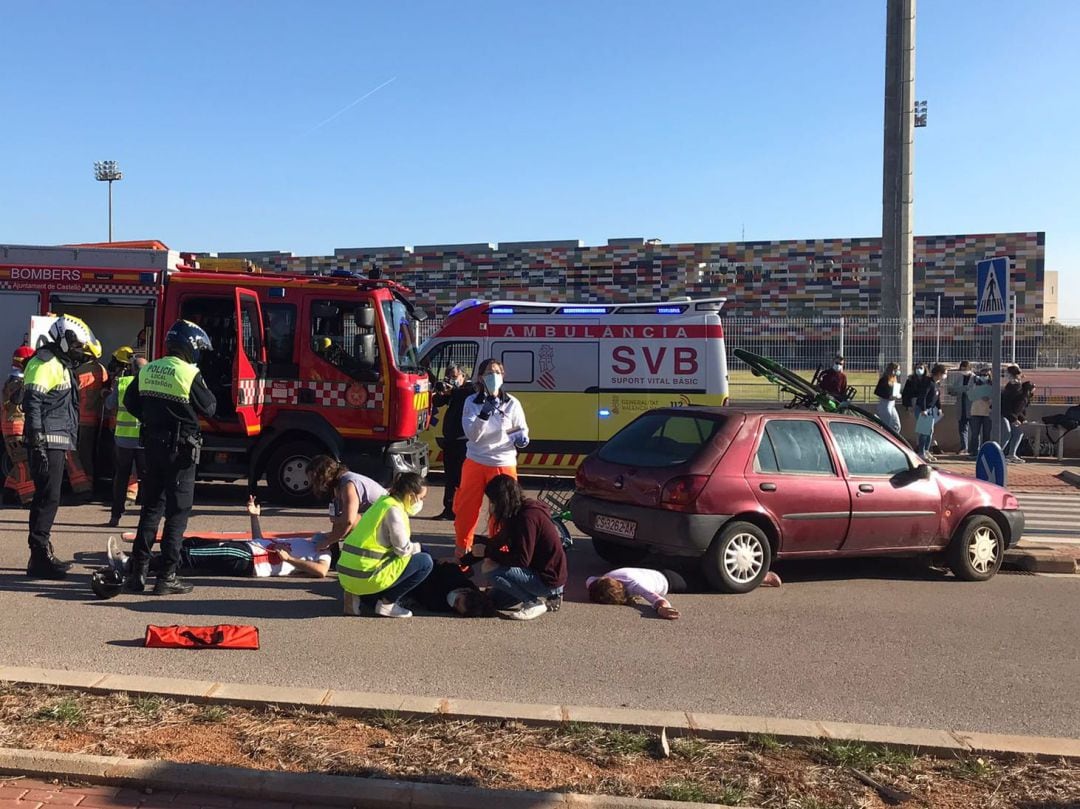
366, 567
127, 426
168, 378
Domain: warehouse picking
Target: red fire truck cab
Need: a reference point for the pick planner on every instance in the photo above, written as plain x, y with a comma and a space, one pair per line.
302, 365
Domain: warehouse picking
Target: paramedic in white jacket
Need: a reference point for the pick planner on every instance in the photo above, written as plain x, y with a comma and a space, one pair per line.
495, 429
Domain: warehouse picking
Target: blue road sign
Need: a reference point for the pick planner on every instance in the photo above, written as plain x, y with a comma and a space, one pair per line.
993, 295
990, 465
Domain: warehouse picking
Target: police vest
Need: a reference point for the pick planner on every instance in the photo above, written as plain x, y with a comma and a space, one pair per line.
127, 426
168, 378
365, 566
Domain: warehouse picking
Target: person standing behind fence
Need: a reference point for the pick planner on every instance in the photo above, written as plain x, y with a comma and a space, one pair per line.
1015, 398
928, 407
887, 393
982, 390
495, 426
834, 380
961, 390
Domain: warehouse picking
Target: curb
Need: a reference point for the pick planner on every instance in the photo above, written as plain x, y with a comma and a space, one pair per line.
676, 723
303, 788
1042, 559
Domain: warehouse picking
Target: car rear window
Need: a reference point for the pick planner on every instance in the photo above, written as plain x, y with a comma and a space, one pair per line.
660, 439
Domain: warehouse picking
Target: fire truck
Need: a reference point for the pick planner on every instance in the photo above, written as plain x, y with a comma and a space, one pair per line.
302, 365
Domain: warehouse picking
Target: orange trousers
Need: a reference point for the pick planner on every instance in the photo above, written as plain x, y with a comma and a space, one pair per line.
77, 477
470, 499
19, 480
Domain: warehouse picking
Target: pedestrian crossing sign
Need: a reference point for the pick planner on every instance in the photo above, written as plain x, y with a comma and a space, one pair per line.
993, 295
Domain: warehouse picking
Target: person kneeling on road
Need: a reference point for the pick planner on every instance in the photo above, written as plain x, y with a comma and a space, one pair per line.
350, 495
525, 557
258, 557
379, 562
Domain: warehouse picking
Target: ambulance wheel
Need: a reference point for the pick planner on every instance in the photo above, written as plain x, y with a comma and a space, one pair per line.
618, 554
287, 473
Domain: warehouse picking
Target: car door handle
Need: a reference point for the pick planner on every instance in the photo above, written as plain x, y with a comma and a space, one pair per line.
767, 487
866, 487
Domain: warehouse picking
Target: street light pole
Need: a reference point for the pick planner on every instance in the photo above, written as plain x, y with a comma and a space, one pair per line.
108, 171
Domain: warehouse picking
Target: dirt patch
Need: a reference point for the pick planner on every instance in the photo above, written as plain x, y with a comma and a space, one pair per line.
569, 758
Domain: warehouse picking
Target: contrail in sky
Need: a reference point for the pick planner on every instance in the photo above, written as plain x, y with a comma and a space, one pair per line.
352, 104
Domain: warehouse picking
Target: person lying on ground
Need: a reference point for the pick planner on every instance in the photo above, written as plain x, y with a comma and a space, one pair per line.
257, 556
525, 557
380, 564
626, 584
448, 589
350, 495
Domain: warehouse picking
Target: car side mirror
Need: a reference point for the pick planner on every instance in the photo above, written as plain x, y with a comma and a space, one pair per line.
364, 317
923, 471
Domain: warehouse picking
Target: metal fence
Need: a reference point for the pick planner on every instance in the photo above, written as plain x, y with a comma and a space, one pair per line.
806, 344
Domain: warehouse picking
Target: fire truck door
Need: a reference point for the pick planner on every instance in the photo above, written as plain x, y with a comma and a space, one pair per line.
249, 362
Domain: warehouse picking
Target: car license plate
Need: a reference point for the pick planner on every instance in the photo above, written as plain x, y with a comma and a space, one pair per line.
615, 526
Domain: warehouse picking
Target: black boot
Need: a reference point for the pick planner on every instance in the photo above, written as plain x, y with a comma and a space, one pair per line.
58, 562
135, 581
171, 585
43, 566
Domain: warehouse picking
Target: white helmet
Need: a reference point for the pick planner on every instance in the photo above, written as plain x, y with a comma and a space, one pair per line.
74, 338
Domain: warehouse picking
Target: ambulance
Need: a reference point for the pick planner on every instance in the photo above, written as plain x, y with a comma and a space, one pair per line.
302, 365
583, 371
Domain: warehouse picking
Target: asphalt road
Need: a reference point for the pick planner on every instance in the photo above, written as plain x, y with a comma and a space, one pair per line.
867, 642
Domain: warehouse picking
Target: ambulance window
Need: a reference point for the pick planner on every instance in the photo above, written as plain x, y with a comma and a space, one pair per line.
343, 334
459, 352
519, 366
281, 339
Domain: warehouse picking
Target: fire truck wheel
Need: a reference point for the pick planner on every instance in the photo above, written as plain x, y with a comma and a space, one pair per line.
286, 472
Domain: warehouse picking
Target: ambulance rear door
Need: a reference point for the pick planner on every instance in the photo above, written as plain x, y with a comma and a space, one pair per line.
557, 382
249, 361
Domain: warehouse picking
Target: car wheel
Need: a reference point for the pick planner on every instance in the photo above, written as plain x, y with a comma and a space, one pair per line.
738, 559
287, 473
977, 550
618, 554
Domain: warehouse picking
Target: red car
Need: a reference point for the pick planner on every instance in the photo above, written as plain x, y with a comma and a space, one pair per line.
740, 488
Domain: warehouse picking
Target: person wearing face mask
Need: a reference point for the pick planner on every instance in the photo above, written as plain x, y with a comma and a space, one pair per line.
452, 393
887, 392
913, 386
961, 389
834, 380
928, 407
495, 429
982, 390
1015, 398
379, 563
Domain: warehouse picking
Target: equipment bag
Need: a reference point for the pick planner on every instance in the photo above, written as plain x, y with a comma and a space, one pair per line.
222, 636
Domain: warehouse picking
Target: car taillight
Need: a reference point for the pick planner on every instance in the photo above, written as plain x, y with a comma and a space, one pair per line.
1010, 504
680, 492
579, 478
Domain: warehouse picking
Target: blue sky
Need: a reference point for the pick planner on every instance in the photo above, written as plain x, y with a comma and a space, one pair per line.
500, 121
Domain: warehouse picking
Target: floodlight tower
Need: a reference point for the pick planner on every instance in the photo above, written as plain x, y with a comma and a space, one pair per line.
107, 171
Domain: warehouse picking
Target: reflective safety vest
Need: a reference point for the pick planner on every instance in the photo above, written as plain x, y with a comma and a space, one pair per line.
127, 426
366, 566
168, 378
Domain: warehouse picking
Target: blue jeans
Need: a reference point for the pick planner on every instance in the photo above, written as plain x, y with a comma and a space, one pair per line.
980, 434
418, 569
519, 585
1011, 436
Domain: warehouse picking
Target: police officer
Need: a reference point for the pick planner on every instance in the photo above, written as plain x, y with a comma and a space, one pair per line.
51, 405
167, 396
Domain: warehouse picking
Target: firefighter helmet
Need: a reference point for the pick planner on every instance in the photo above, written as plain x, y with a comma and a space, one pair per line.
74, 338
123, 354
187, 341
106, 582
21, 356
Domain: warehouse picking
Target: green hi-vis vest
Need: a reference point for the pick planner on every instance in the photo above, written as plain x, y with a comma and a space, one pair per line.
168, 378
45, 373
127, 426
366, 567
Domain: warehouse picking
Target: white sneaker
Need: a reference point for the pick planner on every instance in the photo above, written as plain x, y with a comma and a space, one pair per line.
352, 605
1015, 459
534, 609
117, 558
389, 609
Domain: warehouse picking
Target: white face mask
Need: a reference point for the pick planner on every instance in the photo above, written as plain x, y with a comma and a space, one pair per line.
415, 507
493, 382
838, 367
